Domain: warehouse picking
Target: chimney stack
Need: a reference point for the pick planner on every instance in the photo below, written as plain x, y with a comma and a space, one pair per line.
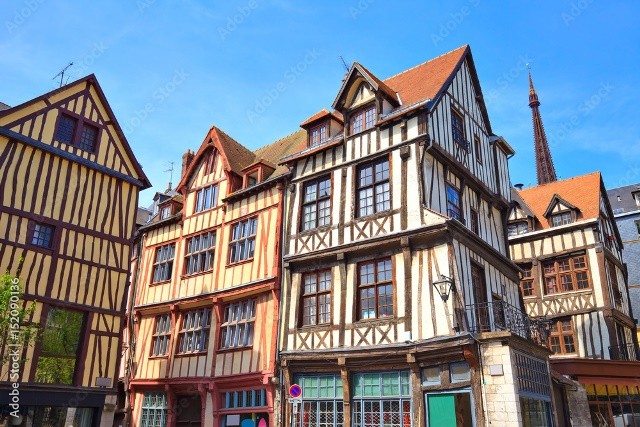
187, 158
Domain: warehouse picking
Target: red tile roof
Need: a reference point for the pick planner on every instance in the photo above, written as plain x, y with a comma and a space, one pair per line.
583, 192
321, 114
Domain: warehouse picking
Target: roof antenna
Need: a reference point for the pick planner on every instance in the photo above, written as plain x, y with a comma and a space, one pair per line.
170, 170
61, 74
346, 67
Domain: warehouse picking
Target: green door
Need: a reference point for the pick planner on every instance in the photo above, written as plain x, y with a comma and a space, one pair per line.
442, 410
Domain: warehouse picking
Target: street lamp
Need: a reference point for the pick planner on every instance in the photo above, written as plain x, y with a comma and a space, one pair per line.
443, 286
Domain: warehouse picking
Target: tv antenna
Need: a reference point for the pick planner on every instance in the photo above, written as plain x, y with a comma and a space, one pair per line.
346, 67
61, 74
170, 170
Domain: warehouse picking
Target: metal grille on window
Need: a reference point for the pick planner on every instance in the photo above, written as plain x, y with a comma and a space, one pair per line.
382, 399
322, 404
238, 324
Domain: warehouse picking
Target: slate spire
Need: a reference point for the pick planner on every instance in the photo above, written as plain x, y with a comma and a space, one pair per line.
544, 164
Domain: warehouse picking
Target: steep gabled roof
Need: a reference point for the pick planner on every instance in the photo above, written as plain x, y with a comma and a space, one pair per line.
583, 192
377, 85
283, 147
322, 114
554, 201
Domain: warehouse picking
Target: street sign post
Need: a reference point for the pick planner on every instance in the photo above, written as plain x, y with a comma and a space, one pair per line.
295, 398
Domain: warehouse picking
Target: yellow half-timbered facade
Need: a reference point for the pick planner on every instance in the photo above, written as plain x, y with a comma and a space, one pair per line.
207, 291
400, 304
69, 188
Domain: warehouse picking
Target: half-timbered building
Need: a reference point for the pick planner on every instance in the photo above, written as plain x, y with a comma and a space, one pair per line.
69, 188
563, 236
207, 297
400, 305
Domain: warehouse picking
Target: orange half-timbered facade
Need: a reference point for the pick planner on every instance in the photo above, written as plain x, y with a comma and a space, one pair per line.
69, 188
206, 299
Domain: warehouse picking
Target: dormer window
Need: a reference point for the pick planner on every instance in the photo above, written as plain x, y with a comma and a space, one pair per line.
561, 219
363, 119
517, 228
252, 178
636, 197
318, 135
165, 212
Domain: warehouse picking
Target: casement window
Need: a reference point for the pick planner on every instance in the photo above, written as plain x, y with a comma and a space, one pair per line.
381, 399
206, 198
561, 219
42, 235
457, 129
375, 289
163, 264
454, 202
72, 131
373, 189
210, 165
363, 119
165, 212
243, 240
318, 135
474, 222
322, 400
194, 331
526, 281
477, 147
161, 335
562, 338
316, 297
154, 410
517, 228
61, 335
244, 399
316, 205
566, 274
237, 326
200, 251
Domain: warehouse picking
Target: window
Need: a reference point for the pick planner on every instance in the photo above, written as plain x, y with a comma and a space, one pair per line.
163, 265
194, 332
526, 281
165, 212
457, 129
375, 289
161, 335
206, 198
517, 228
318, 135
316, 206
638, 227
236, 329
244, 399
477, 148
459, 372
363, 119
252, 180
374, 194
454, 204
561, 219
316, 297
613, 282
210, 166
322, 400
60, 346
636, 197
200, 251
88, 137
42, 235
562, 339
431, 376
566, 274
381, 399
66, 129
243, 240
475, 222
154, 410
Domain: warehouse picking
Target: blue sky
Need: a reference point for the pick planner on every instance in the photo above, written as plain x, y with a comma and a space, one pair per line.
258, 68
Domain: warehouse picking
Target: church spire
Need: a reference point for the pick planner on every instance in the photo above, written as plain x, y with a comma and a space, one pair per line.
544, 164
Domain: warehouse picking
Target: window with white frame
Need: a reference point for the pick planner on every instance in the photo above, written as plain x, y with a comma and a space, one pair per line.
163, 264
517, 228
200, 251
243, 240
381, 399
165, 212
154, 410
206, 198
161, 335
561, 219
237, 327
194, 331
322, 400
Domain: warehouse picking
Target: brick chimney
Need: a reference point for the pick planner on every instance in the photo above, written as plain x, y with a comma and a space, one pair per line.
187, 158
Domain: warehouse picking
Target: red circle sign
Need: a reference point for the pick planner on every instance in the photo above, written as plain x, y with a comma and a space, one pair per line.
295, 391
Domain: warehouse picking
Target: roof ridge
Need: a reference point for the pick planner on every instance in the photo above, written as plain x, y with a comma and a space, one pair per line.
425, 62
563, 180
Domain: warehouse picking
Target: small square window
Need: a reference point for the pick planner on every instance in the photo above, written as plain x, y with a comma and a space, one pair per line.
459, 372
431, 376
89, 137
66, 129
42, 235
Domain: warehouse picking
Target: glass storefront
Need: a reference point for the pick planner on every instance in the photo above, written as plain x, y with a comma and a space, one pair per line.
612, 405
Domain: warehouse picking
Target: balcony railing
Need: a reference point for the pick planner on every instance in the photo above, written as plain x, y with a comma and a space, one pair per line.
501, 316
624, 352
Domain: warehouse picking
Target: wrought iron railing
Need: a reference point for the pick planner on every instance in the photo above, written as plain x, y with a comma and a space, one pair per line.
624, 352
501, 316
